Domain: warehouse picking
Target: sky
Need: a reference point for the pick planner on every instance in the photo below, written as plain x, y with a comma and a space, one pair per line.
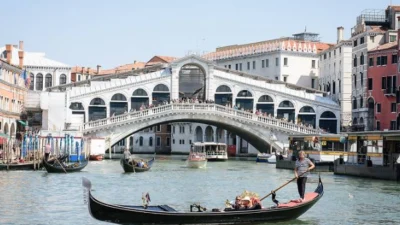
111, 33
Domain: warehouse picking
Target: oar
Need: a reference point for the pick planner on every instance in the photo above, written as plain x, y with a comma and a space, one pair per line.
281, 186
60, 165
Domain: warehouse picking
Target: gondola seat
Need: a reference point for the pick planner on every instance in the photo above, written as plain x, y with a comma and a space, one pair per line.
307, 197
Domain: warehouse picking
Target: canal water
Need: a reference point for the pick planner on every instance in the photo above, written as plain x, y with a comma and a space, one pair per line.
36, 197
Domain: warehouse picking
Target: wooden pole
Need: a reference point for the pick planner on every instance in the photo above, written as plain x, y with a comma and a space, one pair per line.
281, 186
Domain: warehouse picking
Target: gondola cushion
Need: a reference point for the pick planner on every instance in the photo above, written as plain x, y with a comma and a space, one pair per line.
307, 197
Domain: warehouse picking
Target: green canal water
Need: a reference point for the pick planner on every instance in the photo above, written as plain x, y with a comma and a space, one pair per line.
36, 197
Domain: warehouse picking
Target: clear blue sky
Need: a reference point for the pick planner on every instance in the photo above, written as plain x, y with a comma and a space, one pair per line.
111, 33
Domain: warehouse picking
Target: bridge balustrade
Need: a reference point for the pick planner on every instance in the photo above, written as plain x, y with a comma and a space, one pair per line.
199, 107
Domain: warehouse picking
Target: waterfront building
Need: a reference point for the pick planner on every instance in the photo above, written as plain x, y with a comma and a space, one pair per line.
335, 75
13, 89
289, 59
373, 28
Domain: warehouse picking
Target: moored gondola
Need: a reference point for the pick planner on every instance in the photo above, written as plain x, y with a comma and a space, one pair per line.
60, 167
164, 214
130, 167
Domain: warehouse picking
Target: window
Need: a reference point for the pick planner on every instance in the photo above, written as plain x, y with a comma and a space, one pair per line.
312, 83
48, 80
158, 141
168, 141
248, 65
372, 38
355, 43
334, 52
39, 82
394, 59
262, 63
240, 66
393, 107
325, 56
362, 79
254, 65
378, 125
383, 82
267, 63
276, 61
340, 86
141, 141
284, 78
173, 141
173, 129
392, 38
340, 50
229, 66
333, 87
237, 66
190, 142
370, 84
158, 128
276, 78
355, 80
151, 141
63, 79
354, 103
329, 54
383, 60
183, 142
285, 61
355, 61
313, 63
361, 102
361, 40
378, 107
393, 125
362, 59
169, 128
371, 62
389, 84
378, 61
394, 84
79, 77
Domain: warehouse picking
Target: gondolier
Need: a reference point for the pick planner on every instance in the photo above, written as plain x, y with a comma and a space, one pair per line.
303, 165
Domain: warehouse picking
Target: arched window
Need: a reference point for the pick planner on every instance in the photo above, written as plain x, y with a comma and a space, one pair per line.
244, 94
223, 88
151, 141
97, 101
76, 106
355, 61
139, 92
118, 97
63, 79
161, 88
39, 82
361, 120
361, 102
307, 109
265, 98
362, 59
286, 104
355, 121
48, 80
354, 103
32, 82
141, 141
328, 114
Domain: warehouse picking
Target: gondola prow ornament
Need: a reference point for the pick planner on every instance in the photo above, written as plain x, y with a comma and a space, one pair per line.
146, 199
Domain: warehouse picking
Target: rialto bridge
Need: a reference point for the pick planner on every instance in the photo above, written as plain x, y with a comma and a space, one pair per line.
252, 107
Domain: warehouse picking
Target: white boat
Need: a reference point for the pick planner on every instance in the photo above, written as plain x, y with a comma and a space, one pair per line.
267, 158
214, 151
197, 157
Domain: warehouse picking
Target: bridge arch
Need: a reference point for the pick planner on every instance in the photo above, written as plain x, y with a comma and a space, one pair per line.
307, 116
160, 94
209, 134
223, 95
266, 104
139, 98
97, 109
192, 81
328, 122
118, 104
245, 100
286, 109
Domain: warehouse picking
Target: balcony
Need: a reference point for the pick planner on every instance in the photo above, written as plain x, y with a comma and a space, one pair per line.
389, 92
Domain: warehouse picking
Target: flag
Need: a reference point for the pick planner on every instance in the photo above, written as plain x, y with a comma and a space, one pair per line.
27, 79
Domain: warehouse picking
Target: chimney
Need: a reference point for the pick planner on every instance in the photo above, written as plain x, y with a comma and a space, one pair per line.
21, 45
88, 70
21, 58
83, 70
98, 69
339, 34
9, 53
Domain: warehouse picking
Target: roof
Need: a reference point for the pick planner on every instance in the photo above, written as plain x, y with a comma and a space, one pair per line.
78, 69
160, 59
390, 45
118, 69
32, 59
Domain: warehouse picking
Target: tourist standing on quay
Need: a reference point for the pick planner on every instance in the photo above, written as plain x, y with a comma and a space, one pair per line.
303, 165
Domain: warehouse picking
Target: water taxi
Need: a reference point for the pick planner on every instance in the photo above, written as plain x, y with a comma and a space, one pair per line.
197, 157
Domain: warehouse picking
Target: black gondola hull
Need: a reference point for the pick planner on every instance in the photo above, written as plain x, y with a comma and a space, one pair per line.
128, 168
56, 168
158, 215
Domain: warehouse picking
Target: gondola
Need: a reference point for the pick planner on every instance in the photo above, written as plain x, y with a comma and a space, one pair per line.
164, 214
57, 168
129, 168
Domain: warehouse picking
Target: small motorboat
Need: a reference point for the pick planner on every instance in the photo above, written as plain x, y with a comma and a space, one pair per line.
197, 160
130, 165
267, 158
164, 214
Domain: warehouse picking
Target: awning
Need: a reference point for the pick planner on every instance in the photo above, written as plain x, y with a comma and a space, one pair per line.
22, 122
